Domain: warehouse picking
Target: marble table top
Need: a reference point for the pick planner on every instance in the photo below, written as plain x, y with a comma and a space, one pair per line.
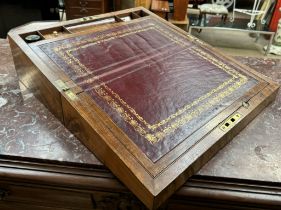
29, 131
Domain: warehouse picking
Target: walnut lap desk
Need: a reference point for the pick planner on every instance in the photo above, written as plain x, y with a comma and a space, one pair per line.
153, 114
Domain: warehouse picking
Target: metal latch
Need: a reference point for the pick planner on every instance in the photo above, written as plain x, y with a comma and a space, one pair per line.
61, 85
71, 95
245, 104
230, 122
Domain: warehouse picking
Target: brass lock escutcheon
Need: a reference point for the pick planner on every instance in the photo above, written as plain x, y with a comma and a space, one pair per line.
230, 122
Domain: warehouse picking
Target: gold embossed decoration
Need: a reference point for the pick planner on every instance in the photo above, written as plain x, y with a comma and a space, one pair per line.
152, 132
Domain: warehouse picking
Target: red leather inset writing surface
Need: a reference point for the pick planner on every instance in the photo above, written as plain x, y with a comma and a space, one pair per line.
156, 85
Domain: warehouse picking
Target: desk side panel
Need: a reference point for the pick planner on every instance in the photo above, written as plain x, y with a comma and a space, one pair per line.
87, 125
32, 78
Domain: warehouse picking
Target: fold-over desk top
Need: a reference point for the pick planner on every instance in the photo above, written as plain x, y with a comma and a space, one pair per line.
152, 102
155, 84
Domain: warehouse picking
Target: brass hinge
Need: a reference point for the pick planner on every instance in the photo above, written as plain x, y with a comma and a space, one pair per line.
230, 122
61, 85
72, 96
64, 87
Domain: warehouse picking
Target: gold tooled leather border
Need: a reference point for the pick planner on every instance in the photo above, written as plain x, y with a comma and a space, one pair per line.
64, 51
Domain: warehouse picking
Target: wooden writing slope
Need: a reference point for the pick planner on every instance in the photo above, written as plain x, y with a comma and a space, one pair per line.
151, 101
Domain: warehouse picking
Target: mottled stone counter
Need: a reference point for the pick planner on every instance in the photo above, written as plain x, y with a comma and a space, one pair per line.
29, 132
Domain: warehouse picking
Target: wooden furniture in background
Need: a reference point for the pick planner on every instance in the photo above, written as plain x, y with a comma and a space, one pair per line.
143, 3
179, 15
212, 9
152, 171
81, 8
160, 8
180, 8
